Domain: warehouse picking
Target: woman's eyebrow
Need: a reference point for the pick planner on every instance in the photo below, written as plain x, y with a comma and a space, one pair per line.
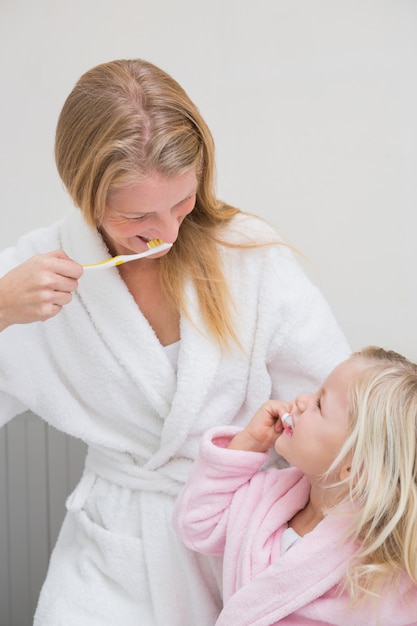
193, 192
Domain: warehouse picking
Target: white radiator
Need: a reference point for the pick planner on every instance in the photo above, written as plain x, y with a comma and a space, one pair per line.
39, 467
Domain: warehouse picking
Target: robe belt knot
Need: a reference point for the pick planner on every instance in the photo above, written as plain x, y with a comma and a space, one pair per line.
120, 469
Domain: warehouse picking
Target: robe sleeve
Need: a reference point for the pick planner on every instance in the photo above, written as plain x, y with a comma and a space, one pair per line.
308, 343
14, 367
9, 408
218, 481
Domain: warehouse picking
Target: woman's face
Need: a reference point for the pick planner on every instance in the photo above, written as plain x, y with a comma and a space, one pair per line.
321, 424
152, 209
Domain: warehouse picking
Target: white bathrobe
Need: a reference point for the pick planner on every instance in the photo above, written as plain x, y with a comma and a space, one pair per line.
98, 372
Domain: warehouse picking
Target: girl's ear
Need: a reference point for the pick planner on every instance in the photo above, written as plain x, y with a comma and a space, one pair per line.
345, 471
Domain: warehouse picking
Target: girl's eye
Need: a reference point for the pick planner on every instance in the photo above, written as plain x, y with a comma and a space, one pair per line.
318, 403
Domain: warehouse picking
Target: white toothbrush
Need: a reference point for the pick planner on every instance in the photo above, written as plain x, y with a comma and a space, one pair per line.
154, 246
288, 420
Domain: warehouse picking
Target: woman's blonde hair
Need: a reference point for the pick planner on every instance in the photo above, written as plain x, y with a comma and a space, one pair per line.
124, 120
382, 484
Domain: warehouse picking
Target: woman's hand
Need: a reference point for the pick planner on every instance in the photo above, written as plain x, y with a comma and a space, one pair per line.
37, 289
263, 429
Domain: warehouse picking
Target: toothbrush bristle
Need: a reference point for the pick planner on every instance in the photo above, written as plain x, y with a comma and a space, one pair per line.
153, 243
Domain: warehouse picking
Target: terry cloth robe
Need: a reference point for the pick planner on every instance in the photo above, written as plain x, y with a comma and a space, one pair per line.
98, 372
229, 507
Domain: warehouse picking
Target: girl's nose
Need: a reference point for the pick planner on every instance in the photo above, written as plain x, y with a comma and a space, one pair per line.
301, 403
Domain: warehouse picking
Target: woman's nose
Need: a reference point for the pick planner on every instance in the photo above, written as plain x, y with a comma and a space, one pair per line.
167, 230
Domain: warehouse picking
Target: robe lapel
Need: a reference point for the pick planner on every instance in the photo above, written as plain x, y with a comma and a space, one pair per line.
308, 570
279, 504
198, 364
117, 319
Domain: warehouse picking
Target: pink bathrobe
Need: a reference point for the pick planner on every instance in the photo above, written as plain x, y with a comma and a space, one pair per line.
230, 508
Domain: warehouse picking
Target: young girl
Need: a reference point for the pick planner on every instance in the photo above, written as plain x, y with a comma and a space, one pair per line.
332, 539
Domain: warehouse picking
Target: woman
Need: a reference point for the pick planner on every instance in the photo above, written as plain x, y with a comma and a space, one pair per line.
149, 354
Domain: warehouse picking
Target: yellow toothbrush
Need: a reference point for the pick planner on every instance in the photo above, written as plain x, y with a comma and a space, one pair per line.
154, 246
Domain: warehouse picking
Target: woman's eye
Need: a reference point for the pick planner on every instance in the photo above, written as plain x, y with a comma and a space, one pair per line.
137, 218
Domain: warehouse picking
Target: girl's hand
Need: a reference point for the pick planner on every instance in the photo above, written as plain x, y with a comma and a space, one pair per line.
263, 429
37, 289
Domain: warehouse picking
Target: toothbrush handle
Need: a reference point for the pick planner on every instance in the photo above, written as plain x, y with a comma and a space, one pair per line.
125, 258
102, 265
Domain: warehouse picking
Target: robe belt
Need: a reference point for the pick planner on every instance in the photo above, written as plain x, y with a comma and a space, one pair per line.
121, 471
125, 472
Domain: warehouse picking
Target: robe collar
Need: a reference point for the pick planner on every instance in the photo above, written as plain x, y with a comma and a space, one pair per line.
133, 343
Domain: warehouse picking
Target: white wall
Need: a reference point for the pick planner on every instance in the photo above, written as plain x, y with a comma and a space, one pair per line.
312, 105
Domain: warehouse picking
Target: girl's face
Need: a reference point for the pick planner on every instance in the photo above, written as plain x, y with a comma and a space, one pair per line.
320, 424
154, 208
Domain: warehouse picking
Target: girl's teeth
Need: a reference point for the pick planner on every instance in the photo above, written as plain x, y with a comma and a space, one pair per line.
288, 424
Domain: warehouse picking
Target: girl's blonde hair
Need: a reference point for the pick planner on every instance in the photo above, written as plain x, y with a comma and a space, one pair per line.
124, 120
382, 485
